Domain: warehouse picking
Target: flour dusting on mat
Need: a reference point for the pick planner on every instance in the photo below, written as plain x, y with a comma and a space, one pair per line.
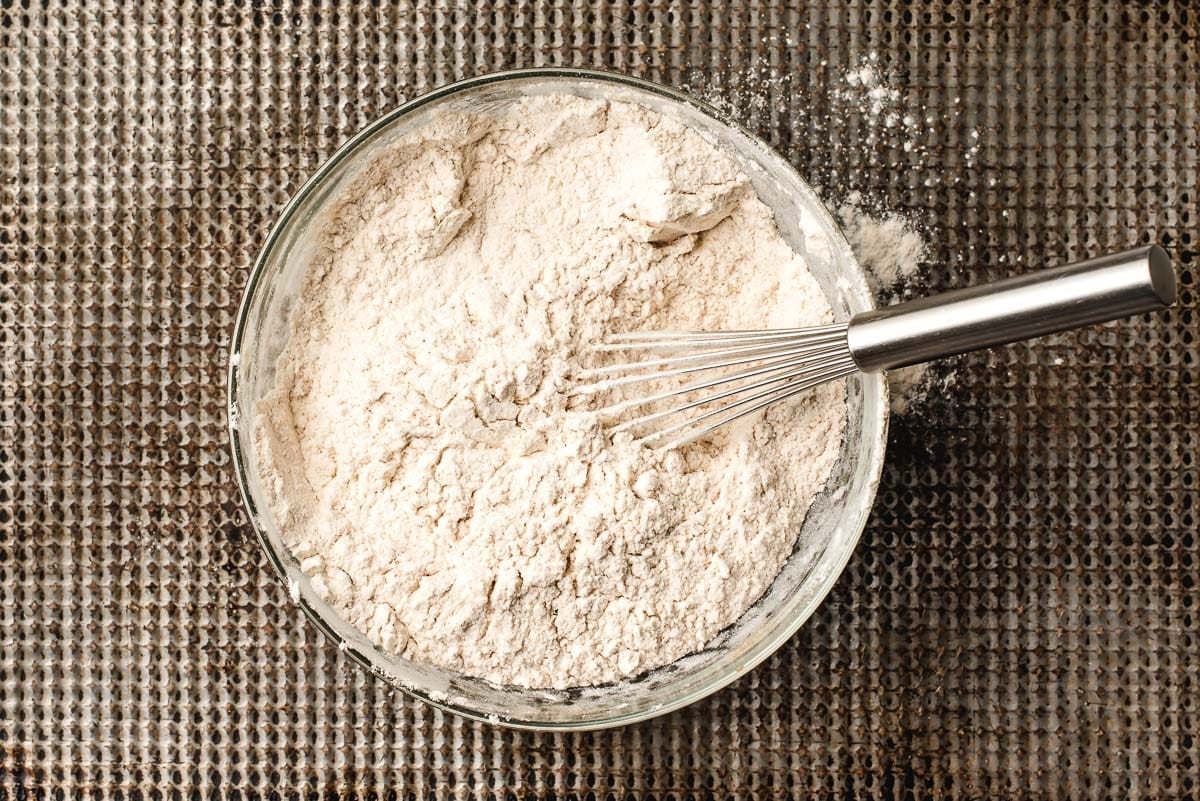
420, 452
893, 130
892, 252
889, 247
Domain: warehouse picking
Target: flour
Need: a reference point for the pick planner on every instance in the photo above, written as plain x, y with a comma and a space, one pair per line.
420, 451
888, 246
891, 252
893, 132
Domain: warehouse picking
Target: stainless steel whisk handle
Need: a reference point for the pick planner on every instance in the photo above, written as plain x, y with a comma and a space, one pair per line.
1027, 306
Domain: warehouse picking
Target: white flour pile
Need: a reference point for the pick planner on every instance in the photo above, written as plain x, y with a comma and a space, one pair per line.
889, 247
421, 454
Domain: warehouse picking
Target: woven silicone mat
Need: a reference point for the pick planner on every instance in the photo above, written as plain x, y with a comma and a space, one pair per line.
1020, 618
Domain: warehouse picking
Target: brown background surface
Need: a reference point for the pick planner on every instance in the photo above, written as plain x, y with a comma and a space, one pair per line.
1019, 619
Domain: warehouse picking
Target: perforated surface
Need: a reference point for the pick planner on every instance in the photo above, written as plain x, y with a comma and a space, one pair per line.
1019, 619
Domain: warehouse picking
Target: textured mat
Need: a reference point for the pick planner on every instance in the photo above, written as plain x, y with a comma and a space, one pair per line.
1020, 618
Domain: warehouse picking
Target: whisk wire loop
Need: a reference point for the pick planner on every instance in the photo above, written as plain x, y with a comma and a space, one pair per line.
753, 370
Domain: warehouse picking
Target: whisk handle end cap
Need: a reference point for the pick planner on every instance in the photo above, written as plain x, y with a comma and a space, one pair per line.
1032, 305
1162, 275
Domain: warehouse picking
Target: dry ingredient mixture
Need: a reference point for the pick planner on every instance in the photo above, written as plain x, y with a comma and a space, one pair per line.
420, 451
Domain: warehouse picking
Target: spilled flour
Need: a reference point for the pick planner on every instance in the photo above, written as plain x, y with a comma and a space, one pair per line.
846, 132
420, 452
889, 247
891, 252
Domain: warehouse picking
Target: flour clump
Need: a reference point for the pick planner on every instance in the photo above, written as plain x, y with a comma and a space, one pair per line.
421, 453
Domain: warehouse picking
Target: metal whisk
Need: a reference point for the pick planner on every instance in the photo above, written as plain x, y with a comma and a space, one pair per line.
746, 371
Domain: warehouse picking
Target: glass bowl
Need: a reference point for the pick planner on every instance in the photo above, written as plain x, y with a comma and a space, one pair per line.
830, 530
